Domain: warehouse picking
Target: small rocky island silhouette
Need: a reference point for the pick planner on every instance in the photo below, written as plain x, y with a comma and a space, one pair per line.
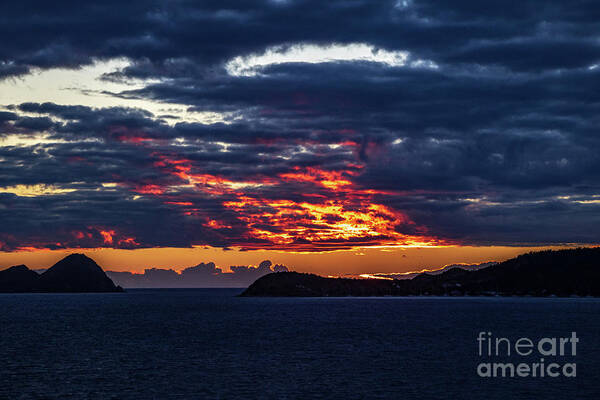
574, 272
75, 273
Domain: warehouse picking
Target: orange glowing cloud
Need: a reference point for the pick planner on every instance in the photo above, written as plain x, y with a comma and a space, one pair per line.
107, 236
204, 182
336, 214
217, 224
329, 179
149, 189
180, 203
128, 242
306, 226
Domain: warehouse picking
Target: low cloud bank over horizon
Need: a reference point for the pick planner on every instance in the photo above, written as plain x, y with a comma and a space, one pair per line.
201, 275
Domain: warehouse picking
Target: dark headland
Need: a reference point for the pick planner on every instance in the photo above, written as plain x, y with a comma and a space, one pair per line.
574, 272
75, 273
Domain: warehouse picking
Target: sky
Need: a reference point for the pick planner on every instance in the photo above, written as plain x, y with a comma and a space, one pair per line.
337, 137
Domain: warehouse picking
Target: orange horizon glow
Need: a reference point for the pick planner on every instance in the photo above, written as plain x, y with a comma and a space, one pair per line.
353, 262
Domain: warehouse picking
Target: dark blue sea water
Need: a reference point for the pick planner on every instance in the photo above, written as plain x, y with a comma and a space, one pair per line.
203, 344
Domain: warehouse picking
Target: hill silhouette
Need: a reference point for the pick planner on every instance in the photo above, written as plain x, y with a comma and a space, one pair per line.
573, 272
75, 273
18, 279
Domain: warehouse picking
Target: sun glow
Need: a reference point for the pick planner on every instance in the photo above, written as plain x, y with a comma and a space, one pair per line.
34, 190
85, 85
251, 65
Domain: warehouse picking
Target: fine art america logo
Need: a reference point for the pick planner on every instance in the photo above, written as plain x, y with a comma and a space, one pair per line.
550, 355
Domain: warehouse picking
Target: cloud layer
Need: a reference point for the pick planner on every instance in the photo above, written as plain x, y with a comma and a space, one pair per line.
201, 275
344, 124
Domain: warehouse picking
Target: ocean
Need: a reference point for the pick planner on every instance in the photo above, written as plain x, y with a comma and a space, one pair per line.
209, 344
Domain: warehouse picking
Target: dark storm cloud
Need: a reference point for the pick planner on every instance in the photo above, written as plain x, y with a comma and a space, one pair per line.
184, 37
528, 132
488, 134
5, 117
9, 69
78, 220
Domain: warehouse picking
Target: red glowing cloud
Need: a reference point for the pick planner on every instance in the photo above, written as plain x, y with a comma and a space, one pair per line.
335, 213
107, 236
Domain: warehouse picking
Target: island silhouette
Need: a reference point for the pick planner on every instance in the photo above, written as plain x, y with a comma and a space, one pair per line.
572, 272
75, 273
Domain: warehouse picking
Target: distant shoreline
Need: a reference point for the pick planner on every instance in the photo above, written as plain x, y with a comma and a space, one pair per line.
562, 273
